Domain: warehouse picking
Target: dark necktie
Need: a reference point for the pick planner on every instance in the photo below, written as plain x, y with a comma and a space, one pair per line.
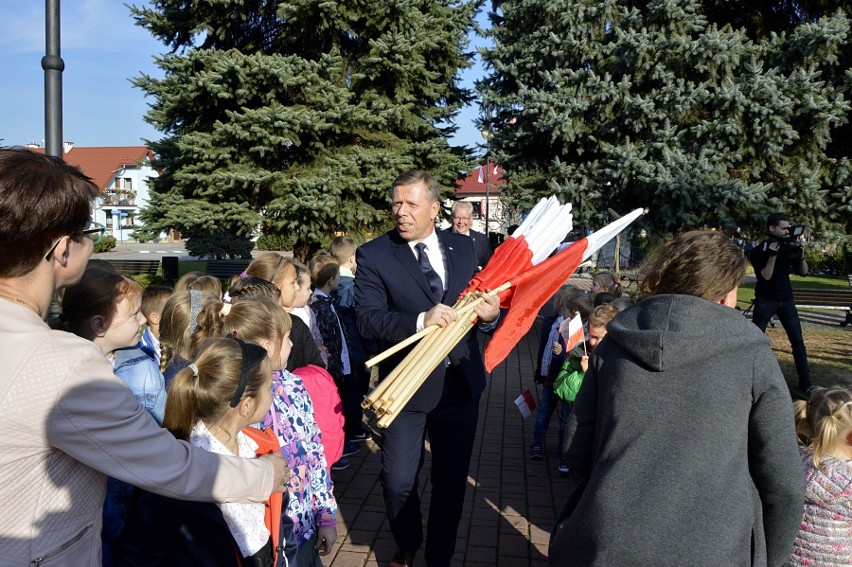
431, 275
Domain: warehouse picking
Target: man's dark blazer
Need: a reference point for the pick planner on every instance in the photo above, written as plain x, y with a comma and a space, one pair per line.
390, 292
481, 246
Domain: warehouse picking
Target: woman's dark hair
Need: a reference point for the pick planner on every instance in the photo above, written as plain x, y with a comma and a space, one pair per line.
42, 199
603, 298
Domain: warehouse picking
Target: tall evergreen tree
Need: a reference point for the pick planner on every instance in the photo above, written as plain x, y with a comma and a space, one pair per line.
297, 115
614, 105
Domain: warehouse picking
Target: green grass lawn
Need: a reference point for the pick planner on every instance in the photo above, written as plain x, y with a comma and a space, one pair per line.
745, 295
184, 267
829, 348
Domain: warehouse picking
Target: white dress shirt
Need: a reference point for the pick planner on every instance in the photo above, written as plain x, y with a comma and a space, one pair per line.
436, 258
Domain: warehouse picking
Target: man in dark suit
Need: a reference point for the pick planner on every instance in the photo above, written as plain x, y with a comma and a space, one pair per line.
401, 287
462, 221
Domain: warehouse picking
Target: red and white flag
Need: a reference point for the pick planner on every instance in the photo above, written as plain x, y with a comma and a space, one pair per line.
572, 333
525, 403
534, 284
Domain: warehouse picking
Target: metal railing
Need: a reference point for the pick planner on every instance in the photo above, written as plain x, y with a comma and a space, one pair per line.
120, 200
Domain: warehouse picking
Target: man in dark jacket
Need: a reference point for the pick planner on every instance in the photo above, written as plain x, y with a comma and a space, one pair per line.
407, 279
773, 260
462, 221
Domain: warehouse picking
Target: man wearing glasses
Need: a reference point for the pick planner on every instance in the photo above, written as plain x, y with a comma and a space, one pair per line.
462, 221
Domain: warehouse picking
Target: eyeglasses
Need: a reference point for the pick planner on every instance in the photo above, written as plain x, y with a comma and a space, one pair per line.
95, 232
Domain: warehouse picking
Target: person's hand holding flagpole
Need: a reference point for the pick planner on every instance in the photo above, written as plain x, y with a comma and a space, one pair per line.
525, 277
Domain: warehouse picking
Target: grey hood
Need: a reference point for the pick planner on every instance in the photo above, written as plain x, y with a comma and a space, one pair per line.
664, 332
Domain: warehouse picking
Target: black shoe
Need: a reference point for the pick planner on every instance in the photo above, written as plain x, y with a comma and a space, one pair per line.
402, 559
359, 437
350, 448
341, 465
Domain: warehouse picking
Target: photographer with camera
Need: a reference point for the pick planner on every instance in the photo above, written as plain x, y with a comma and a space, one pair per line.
773, 260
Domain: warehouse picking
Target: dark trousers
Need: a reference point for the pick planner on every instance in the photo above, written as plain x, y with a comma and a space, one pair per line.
352, 390
451, 428
547, 403
786, 311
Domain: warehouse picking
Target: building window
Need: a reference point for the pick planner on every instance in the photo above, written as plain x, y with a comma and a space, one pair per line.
121, 193
476, 213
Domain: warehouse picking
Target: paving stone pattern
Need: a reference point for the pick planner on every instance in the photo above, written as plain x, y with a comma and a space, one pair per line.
511, 502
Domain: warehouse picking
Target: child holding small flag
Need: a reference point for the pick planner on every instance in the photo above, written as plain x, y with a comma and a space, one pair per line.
568, 302
568, 382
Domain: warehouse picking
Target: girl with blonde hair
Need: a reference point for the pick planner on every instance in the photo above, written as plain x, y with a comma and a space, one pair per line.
312, 508
211, 404
282, 272
824, 425
178, 321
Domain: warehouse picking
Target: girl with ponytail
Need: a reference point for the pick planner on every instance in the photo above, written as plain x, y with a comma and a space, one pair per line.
311, 510
211, 403
824, 426
178, 321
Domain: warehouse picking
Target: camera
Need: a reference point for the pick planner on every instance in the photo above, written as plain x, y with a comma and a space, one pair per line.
794, 231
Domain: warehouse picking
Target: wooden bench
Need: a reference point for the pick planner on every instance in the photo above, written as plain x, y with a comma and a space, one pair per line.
841, 299
226, 269
134, 267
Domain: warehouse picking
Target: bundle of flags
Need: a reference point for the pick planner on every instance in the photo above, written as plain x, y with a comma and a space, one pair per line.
523, 261
524, 275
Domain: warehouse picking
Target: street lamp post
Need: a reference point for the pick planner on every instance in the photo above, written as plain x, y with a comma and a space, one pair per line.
487, 134
53, 66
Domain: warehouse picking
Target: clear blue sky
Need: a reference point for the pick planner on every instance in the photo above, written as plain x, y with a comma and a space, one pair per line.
102, 50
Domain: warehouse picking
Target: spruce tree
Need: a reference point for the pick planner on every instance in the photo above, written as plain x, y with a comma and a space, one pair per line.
296, 116
614, 105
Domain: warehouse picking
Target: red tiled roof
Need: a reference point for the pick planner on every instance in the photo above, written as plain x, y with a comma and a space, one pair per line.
101, 163
471, 185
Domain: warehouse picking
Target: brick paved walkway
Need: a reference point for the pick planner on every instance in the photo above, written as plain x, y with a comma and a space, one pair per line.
511, 502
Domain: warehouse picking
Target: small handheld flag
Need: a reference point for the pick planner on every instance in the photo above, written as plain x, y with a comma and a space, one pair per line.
572, 333
525, 403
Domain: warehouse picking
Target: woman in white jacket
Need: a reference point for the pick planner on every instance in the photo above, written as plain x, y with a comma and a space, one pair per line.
65, 420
